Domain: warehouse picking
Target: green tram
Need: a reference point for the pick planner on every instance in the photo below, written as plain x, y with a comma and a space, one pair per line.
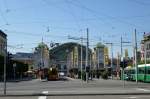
143, 73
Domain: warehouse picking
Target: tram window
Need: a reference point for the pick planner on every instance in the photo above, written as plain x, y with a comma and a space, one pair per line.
148, 71
132, 71
141, 71
126, 72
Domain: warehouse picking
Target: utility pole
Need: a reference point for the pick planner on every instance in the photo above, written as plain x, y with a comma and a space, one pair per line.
98, 59
81, 57
112, 59
118, 67
87, 56
77, 56
5, 62
122, 59
91, 68
42, 63
42, 52
133, 46
123, 64
121, 47
145, 58
135, 38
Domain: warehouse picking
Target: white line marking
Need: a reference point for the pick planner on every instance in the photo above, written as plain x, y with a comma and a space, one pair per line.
131, 97
43, 97
136, 97
45, 92
143, 89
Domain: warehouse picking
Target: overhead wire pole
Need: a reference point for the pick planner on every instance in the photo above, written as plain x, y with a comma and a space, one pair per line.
122, 59
123, 65
5, 62
135, 38
87, 56
81, 57
145, 56
98, 60
112, 59
133, 63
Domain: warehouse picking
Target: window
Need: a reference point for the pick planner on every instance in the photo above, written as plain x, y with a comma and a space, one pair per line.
141, 70
148, 72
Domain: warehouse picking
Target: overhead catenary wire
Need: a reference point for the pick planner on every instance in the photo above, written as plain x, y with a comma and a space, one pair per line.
80, 5
73, 14
3, 17
141, 2
89, 10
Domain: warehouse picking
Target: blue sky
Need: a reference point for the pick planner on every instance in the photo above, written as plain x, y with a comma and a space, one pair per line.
26, 22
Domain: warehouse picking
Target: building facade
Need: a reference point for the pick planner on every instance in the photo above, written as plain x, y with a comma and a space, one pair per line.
26, 58
3, 42
41, 56
145, 47
99, 56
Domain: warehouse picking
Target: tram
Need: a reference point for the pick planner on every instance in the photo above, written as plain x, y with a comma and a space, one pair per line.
142, 75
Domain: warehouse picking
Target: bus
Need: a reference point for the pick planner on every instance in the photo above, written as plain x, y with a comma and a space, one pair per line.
143, 73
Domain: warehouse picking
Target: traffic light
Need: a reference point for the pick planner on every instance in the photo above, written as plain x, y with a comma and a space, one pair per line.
87, 69
124, 64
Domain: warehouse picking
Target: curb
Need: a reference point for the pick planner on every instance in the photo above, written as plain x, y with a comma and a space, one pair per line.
85, 94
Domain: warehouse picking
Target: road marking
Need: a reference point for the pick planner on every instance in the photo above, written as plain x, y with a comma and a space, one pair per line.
131, 97
136, 97
143, 89
43, 97
45, 92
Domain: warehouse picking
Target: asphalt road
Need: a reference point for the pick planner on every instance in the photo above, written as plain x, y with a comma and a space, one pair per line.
72, 86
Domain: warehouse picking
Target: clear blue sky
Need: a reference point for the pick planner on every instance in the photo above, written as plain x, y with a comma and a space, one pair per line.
26, 21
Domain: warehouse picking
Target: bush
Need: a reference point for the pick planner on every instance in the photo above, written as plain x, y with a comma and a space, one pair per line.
105, 75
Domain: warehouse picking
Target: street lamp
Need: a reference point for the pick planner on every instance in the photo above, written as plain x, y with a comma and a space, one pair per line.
14, 66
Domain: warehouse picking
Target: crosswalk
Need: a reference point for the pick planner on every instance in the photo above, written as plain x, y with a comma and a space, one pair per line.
43, 97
